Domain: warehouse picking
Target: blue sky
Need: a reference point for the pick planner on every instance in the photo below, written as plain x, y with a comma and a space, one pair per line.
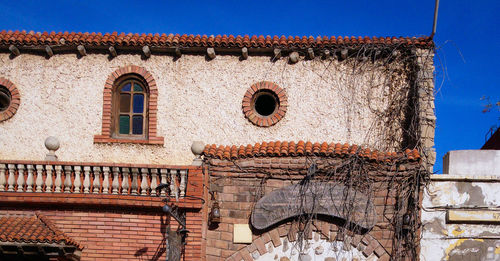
468, 37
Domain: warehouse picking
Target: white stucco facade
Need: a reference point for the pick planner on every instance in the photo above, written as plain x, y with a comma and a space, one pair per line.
198, 99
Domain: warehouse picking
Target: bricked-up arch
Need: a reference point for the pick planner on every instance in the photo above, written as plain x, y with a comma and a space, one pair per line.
15, 99
105, 136
367, 245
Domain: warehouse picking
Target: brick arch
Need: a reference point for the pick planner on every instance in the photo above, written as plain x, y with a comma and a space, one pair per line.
15, 99
249, 102
105, 136
366, 244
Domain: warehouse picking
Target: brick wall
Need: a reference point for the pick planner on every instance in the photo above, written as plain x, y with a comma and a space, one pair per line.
241, 183
120, 234
116, 227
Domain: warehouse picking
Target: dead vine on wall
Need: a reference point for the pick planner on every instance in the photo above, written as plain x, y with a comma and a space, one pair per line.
395, 79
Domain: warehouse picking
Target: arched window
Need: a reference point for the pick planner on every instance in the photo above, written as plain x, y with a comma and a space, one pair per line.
130, 116
129, 107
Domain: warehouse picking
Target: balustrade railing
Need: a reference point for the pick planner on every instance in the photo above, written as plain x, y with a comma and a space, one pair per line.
92, 179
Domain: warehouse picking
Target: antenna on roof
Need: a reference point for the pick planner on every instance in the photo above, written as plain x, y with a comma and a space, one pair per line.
434, 25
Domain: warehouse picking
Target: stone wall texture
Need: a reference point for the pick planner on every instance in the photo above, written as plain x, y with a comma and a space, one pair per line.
197, 100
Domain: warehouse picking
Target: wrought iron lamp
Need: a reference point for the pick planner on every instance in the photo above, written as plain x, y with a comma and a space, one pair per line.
214, 216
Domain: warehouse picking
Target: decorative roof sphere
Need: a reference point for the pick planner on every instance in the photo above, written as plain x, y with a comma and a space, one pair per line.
197, 147
52, 143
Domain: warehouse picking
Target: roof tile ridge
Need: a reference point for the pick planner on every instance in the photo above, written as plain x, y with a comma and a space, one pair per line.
306, 148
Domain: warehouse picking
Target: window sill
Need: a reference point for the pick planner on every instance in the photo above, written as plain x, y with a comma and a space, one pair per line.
149, 141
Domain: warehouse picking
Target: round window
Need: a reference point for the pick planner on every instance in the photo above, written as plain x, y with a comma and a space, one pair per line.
264, 104
9, 99
5, 98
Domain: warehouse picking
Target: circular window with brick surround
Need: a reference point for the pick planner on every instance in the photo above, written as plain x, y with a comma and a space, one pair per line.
9, 99
5, 98
264, 104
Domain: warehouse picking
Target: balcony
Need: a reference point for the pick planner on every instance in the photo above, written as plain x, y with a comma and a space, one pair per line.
99, 183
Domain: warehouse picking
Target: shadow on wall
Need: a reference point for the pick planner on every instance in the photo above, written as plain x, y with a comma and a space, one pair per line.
160, 249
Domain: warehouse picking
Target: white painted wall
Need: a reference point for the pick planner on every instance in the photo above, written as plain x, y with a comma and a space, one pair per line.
470, 193
198, 100
472, 162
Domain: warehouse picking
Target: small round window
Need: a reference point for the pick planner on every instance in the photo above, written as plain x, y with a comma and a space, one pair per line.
5, 98
264, 104
9, 99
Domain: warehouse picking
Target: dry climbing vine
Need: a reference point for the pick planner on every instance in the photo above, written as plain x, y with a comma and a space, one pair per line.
397, 80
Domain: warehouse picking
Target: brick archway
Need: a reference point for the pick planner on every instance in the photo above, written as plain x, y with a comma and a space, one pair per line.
107, 106
364, 246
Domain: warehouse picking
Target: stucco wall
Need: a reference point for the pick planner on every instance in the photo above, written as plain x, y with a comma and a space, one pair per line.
198, 100
472, 162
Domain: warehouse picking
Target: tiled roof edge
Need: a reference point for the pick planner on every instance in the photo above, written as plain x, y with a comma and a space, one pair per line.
301, 148
57, 232
33, 229
186, 41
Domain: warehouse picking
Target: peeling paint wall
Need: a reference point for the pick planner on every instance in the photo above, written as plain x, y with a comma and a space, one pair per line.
197, 100
461, 218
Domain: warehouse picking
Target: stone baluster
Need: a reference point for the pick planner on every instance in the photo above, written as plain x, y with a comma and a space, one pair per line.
58, 181
154, 182
78, 179
144, 181
182, 186
20, 177
135, 185
105, 181
163, 180
86, 179
97, 177
115, 184
11, 180
173, 184
3, 180
67, 179
125, 181
39, 178
48, 178
29, 180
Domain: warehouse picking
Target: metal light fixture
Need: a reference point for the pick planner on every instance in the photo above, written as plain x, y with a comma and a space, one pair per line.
168, 209
214, 216
406, 219
175, 241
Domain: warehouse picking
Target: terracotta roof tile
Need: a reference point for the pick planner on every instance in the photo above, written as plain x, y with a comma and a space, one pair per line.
32, 229
301, 148
254, 41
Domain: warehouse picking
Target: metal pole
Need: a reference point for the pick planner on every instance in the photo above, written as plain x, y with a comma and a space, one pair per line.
166, 243
434, 25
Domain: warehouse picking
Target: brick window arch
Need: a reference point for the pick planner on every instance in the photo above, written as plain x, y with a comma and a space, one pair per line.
9, 99
369, 248
264, 104
137, 124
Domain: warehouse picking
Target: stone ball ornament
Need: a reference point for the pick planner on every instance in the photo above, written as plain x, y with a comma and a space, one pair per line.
52, 143
197, 147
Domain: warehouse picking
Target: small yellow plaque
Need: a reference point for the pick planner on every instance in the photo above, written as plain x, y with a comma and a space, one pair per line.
474, 216
242, 234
